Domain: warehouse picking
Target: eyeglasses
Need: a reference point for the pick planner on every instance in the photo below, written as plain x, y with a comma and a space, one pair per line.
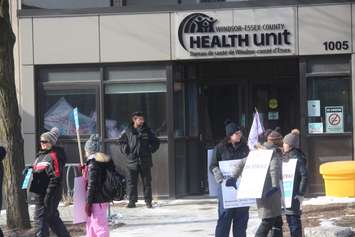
44, 142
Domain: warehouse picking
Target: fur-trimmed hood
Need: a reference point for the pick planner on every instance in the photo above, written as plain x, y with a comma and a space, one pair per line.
102, 157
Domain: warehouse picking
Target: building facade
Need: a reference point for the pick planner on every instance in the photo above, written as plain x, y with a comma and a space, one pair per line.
188, 66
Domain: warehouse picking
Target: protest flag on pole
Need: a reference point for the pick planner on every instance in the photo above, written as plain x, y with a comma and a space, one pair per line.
76, 120
79, 182
255, 131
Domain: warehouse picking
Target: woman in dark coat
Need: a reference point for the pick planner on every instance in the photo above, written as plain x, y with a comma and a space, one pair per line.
269, 206
47, 185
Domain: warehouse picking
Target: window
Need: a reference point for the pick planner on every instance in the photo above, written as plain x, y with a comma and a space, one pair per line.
179, 109
58, 111
135, 88
329, 105
141, 4
126, 89
61, 91
65, 4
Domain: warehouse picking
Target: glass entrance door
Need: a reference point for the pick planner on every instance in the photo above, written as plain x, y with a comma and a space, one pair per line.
218, 103
277, 104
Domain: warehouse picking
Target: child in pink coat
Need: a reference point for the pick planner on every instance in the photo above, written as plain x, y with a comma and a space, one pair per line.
97, 204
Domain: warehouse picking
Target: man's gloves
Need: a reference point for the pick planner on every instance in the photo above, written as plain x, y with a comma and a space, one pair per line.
271, 192
232, 182
218, 176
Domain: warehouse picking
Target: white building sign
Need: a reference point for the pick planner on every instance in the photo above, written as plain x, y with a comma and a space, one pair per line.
235, 33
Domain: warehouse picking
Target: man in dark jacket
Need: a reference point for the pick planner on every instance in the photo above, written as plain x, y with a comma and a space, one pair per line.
46, 185
138, 142
2, 156
292, 151
230, 148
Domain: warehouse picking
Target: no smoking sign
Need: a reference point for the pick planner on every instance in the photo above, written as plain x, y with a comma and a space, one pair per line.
334, 119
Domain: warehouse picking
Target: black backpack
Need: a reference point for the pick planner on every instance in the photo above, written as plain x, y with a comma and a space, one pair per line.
113, 186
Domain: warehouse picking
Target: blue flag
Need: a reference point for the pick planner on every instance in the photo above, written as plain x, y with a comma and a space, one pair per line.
76, 117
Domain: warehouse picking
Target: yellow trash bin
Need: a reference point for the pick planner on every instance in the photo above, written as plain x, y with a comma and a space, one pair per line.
339, 178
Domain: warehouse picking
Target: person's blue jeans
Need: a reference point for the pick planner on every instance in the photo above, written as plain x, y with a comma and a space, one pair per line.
295, 225
239, 216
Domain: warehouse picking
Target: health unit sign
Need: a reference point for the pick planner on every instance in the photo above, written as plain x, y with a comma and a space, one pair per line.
235, 33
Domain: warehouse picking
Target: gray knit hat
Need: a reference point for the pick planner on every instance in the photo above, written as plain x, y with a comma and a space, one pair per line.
293, 138
93, 144
51, 136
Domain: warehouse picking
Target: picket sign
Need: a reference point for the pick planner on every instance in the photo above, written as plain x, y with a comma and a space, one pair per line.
254, 174
79, 200
288, 176
230, 194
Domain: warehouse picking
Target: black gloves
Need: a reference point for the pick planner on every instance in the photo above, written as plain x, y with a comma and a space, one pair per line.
232, 182
271, 191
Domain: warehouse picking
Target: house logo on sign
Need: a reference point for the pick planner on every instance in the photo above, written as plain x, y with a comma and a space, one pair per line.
195, 23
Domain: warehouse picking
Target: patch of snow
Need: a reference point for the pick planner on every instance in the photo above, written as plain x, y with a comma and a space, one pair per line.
324, 200
327, 223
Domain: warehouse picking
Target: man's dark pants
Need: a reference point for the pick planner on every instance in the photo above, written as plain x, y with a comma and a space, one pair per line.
239, 217
132, 182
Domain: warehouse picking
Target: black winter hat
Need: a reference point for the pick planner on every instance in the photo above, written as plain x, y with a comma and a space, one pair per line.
2, 152
231, 127
137, 113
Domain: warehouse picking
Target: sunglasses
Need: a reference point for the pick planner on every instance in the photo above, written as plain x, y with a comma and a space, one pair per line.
44, 142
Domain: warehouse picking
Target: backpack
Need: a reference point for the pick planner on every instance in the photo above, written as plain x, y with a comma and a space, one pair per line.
113, 185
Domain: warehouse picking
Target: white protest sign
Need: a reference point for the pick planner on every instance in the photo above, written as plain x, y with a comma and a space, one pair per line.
288, 176
254, 174
230, 194
334, 117
212, 184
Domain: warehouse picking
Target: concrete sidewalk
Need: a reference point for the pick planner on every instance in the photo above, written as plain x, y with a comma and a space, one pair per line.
175, 218
197, 217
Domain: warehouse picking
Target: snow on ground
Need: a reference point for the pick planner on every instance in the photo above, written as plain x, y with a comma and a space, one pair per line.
324, 200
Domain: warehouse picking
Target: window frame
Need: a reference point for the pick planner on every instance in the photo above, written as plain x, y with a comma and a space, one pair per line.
325, 76
107, 82
99, 86
51, 86
198, 6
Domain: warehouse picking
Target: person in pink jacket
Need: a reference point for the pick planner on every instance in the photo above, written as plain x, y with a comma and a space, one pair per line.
97, 203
